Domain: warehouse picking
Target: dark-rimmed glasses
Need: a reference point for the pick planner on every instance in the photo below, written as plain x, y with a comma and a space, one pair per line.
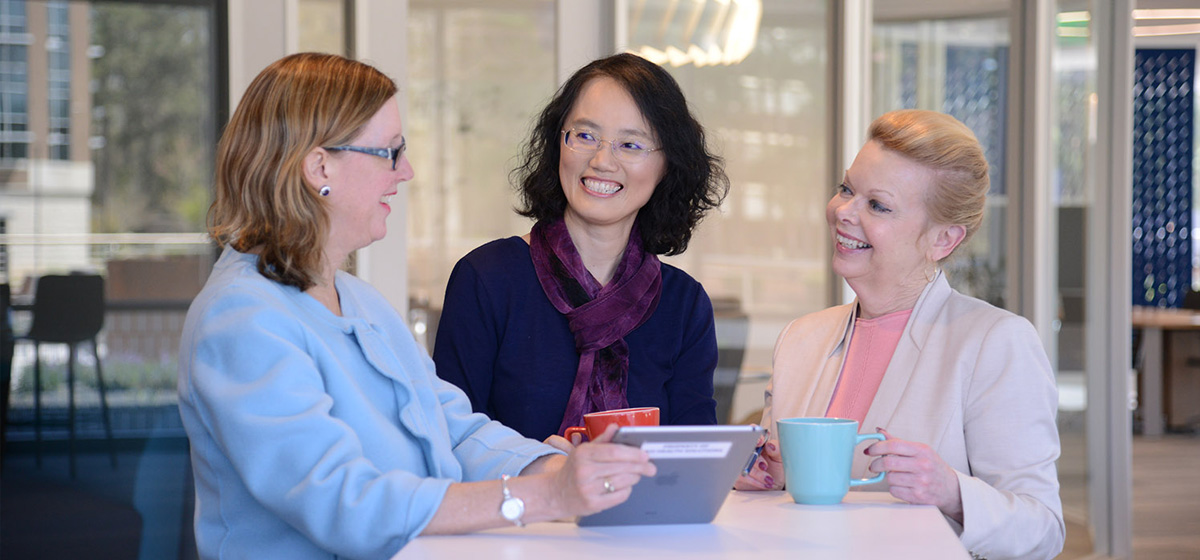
627, 150
393, 154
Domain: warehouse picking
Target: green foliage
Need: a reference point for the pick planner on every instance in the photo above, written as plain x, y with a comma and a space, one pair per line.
128, 374
153, 106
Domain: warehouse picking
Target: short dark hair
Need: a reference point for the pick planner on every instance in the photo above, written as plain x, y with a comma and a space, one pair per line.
694, 181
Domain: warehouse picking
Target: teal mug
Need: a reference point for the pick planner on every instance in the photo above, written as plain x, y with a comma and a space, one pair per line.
817, 455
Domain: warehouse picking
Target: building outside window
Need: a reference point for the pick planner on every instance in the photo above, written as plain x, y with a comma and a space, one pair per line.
14, 86
58, 43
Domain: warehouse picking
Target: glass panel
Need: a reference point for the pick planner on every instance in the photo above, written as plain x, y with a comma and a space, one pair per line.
1073, 83
107, 132
764, 253
960, 67
129, 200
323, 26
478, 73
153, 128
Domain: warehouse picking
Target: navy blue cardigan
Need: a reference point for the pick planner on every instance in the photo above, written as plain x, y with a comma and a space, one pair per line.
502, 341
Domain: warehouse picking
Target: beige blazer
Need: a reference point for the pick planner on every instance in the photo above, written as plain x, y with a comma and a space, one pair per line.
968, 379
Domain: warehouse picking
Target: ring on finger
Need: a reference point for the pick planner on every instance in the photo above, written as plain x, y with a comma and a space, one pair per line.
608, 486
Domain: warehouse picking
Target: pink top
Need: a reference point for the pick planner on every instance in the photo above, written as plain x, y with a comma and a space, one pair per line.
871, 348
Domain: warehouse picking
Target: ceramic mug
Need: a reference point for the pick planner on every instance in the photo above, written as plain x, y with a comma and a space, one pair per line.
817, 455
594, 423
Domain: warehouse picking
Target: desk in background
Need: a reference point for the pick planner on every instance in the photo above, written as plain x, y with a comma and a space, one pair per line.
751, 526
1182, 390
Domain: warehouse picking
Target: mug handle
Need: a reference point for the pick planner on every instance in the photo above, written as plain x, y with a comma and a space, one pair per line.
582, 431
876, 478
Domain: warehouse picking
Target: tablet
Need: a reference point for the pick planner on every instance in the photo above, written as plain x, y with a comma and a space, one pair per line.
697, 466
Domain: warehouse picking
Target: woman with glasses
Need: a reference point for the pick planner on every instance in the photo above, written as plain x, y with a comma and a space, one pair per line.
317, 426
579, 315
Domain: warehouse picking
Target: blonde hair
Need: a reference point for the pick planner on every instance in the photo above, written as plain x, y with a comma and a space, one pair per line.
298, 103
945, 145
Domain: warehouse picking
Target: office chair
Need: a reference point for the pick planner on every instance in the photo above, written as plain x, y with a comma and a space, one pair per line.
733, 329
68, 310
7, 341
1191, 300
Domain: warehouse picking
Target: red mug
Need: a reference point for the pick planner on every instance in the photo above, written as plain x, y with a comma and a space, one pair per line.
594, 423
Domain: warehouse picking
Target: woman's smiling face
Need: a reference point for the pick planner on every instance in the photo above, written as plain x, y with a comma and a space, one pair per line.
362, 184
602, 191
882, 235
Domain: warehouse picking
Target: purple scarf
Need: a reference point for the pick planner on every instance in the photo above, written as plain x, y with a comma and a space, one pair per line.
599, 317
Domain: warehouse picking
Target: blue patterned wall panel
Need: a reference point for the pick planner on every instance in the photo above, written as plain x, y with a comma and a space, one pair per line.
976, 94
1162, 175
976, 86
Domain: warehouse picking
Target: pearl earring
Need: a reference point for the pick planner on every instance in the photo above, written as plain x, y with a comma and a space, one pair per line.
325, 190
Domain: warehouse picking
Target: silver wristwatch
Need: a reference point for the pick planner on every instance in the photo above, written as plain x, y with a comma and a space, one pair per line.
512, 508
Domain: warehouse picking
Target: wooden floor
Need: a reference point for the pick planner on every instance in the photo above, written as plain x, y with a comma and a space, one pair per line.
1166, 501
1166, 498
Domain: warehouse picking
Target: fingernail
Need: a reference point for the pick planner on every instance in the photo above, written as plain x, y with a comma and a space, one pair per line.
762, 465
771, 446
769, 481
865, 452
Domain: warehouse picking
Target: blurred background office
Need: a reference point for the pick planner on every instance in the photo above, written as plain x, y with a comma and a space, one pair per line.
110, 110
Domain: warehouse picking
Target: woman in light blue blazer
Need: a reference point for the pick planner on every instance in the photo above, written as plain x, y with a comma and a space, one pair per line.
962, 389
317, 426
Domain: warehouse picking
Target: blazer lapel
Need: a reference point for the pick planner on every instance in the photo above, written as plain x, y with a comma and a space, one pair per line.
831, 369
904, 360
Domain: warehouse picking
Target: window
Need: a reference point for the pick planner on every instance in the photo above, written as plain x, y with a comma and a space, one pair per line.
107, 133
14, 122
958, 66
58, 44
764, 105
478, 73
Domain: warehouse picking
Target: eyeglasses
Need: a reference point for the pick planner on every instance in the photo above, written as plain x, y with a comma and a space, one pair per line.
393, 154
627, 150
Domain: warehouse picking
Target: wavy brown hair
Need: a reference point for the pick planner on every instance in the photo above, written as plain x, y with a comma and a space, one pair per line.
694, 181
298, 103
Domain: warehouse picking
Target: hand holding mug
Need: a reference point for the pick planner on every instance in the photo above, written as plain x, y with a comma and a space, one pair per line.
817, 456
917, 474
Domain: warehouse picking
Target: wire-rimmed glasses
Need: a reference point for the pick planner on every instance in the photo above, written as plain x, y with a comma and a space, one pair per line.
627, 150
393, 154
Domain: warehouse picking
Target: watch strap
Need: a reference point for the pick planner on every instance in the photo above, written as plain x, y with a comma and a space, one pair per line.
510, 502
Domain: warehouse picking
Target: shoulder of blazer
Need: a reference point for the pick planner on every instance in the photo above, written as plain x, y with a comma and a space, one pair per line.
942, 308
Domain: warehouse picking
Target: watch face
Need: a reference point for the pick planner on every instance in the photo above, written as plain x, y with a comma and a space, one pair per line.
512, 509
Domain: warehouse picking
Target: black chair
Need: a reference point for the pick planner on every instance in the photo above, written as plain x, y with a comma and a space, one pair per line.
1191, 300
68, 310
733, 329
7, 340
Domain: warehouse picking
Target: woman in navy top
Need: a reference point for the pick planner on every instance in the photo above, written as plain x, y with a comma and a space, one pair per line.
579, 315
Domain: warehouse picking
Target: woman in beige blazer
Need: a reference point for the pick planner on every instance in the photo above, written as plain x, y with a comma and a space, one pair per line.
967, 397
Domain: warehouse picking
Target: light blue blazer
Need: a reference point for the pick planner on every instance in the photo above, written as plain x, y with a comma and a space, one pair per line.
968, 379
318, 436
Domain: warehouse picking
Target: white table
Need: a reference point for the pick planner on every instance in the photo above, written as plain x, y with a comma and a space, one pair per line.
751, 525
